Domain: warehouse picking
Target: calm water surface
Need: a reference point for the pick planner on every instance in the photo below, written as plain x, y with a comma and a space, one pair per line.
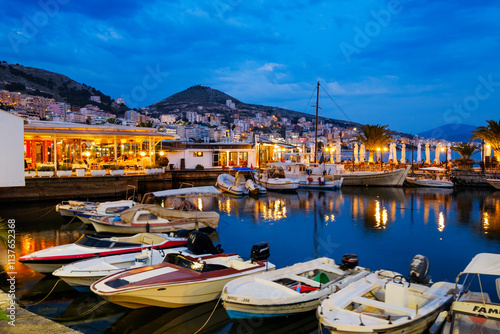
385, 227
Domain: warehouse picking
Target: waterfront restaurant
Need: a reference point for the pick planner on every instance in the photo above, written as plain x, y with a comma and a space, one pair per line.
58, 144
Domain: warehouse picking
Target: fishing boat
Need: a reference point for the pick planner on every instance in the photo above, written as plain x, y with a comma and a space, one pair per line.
154, 218
494, 182
274, 179
309, 175
82, 274
68, 208
233, 185
180, 280
254, 189
433, 177
386, 302
474, 312
46, 261
104, 209
291, 290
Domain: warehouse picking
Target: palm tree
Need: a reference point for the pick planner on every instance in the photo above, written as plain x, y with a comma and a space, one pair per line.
465, 150
373, 137
490, 134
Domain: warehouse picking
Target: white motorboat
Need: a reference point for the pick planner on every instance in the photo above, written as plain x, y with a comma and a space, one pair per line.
68, 208
231, 184
82, 274
433, 177
291, 290
154, 218
254, 189
104, 209
494, 182
386, 302
386, 178
309, 175
180, 280
474, 312
45, 261
274, 179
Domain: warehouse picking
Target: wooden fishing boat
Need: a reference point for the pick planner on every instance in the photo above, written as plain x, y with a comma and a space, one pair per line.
291, 290
385, 302
154, 218
274, 179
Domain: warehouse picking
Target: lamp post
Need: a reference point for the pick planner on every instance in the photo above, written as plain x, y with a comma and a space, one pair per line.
412, 167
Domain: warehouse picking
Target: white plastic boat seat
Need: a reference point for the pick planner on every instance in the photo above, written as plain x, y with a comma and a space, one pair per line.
388, 308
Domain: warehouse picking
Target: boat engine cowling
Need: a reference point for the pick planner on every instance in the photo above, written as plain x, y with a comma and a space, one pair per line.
349, 261
260, 251
419, 268
200, 243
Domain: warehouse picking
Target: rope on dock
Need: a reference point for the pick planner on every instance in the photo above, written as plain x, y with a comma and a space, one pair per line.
210, 317
92, 309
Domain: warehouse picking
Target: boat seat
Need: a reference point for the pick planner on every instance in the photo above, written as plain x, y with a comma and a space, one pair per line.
381, 305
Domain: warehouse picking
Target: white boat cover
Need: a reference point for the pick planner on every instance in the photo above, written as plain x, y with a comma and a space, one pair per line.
485, 264
206, 190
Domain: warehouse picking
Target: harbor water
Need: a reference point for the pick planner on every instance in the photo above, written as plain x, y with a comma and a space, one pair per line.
385, 227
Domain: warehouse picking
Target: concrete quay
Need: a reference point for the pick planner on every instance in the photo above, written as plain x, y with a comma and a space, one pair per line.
96, 187
26, 322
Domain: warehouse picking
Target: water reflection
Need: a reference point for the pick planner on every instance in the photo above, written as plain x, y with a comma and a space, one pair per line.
386, 227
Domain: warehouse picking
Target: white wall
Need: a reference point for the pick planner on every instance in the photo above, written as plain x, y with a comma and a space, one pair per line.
11, 150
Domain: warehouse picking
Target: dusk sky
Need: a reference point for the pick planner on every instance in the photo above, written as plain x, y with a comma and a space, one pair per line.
413, 65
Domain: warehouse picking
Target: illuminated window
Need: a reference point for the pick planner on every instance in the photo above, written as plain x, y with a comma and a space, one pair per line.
197, 154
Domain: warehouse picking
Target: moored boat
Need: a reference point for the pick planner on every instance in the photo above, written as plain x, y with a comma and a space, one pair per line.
309, 175
495, 183
45, 261
290, 290
68, 208
274, 179
387, 178
231, 184
154, 218
433, 177
386, 302
104, 209
474, 312
180, 280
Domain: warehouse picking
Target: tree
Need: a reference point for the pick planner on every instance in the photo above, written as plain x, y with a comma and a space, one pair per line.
490, 134
465, 151
373, 137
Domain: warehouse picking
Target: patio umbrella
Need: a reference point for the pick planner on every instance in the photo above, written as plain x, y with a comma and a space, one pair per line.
419, 152
356, 153
488, 150
436, 160
390, 151
427, 153
448, 153
403, 153
395, 153
338, 152
362, 153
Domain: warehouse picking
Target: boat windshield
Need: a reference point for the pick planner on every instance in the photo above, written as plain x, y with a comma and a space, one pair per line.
468, 323
93, 241
116, 209
181, 261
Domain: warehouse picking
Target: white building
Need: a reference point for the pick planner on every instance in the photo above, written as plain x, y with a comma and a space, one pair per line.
12, 155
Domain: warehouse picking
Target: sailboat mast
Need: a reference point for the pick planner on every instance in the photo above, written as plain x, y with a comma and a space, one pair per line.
316, 127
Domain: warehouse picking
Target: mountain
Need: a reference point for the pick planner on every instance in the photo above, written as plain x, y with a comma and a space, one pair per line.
39, 82
451, 132
201, 98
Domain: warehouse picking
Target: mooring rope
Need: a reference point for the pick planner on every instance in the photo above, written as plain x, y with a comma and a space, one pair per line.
23, 304
210, 317
92, 309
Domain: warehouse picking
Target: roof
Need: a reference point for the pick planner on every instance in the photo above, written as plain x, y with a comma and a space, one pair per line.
83, 130
485, 264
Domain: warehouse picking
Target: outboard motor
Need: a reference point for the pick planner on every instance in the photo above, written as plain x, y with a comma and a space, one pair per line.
260, 251
419, 268
199, 243
349, 261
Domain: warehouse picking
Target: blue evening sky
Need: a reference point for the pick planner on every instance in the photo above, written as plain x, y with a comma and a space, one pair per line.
413, 65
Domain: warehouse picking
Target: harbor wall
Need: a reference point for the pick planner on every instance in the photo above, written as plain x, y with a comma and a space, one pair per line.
98, 187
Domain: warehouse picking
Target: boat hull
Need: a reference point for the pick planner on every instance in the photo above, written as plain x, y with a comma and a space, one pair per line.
272, 186
132, 229
494, 183
429, 183
393, 178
